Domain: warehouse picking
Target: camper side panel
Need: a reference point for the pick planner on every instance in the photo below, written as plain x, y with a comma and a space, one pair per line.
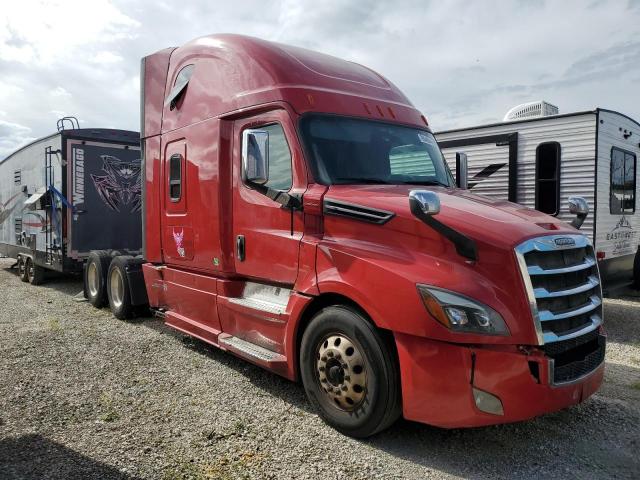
489, 165
618, 228
22, 175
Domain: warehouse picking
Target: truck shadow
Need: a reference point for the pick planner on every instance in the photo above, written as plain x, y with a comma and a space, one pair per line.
34, 457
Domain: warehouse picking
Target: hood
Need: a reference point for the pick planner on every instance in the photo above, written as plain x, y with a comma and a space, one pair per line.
497, 222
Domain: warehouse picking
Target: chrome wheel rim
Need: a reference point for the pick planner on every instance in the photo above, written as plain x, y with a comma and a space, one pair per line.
116, 287
341, 372
21, 267
30, 270
92, 279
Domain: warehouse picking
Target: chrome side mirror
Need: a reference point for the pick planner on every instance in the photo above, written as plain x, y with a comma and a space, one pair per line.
255, 156
424, 201
462, 172
579, 207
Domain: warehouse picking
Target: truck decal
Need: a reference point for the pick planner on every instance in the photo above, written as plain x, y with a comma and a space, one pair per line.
121, 185
178, 237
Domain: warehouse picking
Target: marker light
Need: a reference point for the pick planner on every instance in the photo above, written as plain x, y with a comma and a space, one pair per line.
461, 314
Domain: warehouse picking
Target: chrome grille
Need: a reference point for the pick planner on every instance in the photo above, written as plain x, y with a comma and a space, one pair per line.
561, 276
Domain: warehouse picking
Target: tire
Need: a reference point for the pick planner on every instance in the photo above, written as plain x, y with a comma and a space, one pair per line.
95, 278
118, 288
22, 268
35, 273
636, 270
339, 351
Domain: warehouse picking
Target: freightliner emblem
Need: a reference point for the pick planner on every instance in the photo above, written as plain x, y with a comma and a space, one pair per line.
564, 241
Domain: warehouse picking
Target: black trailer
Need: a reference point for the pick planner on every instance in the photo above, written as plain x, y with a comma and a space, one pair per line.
67, 194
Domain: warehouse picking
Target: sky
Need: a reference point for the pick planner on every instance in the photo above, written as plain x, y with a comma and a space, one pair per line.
461, 63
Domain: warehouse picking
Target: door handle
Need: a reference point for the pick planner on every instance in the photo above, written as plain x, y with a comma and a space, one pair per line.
240, 248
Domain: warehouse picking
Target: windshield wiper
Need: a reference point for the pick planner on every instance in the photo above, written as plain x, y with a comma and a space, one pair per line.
369, 180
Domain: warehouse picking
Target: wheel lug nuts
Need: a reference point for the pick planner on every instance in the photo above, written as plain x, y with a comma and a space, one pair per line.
330, 354
324, 358
321, 369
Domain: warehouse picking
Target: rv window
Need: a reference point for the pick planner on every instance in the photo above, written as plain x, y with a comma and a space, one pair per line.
548, 178
622, 197
17, 177
280, 174
175, 177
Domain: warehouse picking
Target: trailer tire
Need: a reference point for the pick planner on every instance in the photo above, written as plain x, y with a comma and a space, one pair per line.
350, 372
636, 270
95, 277
22, 268
35, 273
118, 288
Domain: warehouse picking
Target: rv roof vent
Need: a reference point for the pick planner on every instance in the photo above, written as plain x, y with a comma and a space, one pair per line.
531, 110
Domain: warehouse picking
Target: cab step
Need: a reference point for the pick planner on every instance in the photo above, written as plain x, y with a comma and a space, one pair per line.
249, 350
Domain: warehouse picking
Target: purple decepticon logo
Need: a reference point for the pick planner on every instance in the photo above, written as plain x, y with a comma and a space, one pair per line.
121, 184
178, 237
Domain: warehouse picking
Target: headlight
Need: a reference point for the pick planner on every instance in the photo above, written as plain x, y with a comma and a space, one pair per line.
460, 313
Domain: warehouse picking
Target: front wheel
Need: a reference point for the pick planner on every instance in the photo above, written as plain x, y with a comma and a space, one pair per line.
350, 372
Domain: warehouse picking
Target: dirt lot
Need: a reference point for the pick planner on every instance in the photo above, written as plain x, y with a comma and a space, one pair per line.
83, 395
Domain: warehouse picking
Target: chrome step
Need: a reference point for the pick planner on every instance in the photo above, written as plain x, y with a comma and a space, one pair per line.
249, 349
265, 298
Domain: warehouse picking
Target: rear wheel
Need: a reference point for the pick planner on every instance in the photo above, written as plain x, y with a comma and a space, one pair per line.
22, 268
35, 273
349, 372
636, 270
95, 278
118, 288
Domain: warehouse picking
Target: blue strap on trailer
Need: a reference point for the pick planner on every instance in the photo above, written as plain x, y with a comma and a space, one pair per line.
54, 214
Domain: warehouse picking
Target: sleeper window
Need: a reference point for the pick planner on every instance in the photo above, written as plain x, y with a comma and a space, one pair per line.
175, 177
548, 178
622, 197
280, 174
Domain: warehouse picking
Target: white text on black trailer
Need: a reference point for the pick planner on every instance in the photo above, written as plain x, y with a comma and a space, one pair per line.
539, 159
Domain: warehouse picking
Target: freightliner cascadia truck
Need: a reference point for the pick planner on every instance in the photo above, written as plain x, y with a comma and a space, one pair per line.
298, 212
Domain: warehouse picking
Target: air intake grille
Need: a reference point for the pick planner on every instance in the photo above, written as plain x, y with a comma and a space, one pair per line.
564, 284
356, 212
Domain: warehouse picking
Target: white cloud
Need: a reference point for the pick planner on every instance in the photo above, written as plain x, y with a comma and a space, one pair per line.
459, 62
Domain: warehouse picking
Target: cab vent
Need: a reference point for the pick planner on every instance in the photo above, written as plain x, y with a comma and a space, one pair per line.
357, 212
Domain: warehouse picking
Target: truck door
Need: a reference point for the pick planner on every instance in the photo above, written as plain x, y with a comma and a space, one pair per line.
266, 235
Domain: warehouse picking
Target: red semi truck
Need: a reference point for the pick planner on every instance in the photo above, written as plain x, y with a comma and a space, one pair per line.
298, 213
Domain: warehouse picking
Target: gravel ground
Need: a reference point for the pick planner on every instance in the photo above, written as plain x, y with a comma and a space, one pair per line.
83, 395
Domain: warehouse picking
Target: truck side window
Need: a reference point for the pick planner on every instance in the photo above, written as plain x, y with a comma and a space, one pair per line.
622, 197
547, 191
175, 177
179, 86
280, 173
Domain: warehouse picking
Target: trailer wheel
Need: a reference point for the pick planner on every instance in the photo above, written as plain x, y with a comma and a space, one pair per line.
636, 270
118, 288
35, 273
349, 372
22, 268
95, 277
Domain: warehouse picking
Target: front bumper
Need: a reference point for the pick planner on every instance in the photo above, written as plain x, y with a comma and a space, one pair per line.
438, 377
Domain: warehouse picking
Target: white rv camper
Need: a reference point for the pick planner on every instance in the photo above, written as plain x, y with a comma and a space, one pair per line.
69, 193
539, 158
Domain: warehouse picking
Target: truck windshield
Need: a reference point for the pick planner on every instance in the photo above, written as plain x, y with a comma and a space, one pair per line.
352, 151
